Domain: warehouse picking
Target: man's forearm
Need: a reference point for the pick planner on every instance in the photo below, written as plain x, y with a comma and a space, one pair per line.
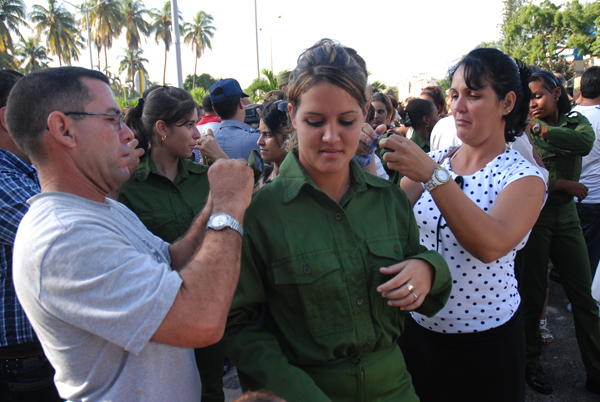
183, 249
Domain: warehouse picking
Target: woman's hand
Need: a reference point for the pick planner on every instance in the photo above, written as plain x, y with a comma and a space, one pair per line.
574, 188
209, 147
411, 284
368, 136
408, 158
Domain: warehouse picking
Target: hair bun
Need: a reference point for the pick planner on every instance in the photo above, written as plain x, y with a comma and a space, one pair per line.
139, 109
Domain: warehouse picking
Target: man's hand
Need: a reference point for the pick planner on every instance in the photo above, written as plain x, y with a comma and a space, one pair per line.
134, 156
231, 182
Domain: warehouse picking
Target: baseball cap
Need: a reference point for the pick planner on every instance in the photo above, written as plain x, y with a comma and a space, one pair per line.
225, 88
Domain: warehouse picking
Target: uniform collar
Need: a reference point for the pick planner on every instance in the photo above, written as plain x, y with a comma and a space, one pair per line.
293, 178
147, 166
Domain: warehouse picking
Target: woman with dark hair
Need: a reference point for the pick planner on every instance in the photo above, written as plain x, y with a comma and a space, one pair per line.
561, 139
274, 129
464, 199
168, 190
335, 286
420, 116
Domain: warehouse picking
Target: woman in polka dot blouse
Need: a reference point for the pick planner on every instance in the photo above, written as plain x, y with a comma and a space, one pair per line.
476, 205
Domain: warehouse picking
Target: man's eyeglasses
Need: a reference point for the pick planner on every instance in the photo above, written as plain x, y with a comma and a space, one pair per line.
121, 116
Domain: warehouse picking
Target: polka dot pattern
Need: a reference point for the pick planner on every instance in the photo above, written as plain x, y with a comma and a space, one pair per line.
483, 296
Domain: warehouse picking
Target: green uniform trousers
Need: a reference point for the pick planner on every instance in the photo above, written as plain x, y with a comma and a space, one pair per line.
360, 378
557, 236
210, 366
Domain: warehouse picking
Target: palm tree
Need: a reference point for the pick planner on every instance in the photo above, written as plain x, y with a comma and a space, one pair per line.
162, 29
132, 62
198, 34
12, 15
260, 86
32, 56
135, 26
58, 24
106, 23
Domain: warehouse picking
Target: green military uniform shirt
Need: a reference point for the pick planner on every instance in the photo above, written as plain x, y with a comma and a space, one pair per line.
313, 265
562, 150
167, 208
417, 139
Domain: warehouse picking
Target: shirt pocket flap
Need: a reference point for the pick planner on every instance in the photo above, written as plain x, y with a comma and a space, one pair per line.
389, 247
305, 268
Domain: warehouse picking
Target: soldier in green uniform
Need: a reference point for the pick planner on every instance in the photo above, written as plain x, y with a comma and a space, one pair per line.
332, 255
561, 140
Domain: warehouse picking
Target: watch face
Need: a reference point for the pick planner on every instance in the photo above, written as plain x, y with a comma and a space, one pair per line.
442, 175
219, 220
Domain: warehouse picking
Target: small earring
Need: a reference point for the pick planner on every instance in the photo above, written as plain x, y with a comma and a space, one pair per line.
427, 125
164, 137
556, 100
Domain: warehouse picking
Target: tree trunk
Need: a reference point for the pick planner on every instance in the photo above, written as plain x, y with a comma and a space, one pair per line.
105, 60
165, 70
99, 69
132, 70
194, 81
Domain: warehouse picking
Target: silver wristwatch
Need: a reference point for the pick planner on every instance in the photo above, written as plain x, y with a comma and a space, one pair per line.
439, 176
223, 221
537, 129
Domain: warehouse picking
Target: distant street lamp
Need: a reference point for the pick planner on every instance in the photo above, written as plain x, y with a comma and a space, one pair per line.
256, 30
87, 22
271, 42
175, 23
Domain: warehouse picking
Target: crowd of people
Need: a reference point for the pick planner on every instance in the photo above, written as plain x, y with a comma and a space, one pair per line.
333, 243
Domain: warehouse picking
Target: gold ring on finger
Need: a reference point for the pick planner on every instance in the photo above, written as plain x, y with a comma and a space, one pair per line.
413, 293
409, 287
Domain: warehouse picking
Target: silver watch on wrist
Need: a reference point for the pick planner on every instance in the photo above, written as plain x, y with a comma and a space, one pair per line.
223, 221
439, 176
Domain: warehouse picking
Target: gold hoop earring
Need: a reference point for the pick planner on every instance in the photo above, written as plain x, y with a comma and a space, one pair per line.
164, 137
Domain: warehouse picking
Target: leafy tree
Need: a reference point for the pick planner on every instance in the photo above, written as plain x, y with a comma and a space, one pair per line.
161, 26
58, 25
379, 86
198, 34
539, 34
135, 26
198, 93
204, 81
12, 15
32, 56
106, 22
444, 84
132, 61
260, 86
8, 61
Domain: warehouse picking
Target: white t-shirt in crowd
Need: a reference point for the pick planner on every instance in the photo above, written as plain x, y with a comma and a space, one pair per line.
590, 170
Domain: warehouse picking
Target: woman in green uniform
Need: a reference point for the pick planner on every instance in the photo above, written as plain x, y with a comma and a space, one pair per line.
332, 255
561, 139
168, 190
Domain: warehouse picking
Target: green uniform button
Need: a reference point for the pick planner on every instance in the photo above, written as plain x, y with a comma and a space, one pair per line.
359, 302
397, 249
338, 216
306, 269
